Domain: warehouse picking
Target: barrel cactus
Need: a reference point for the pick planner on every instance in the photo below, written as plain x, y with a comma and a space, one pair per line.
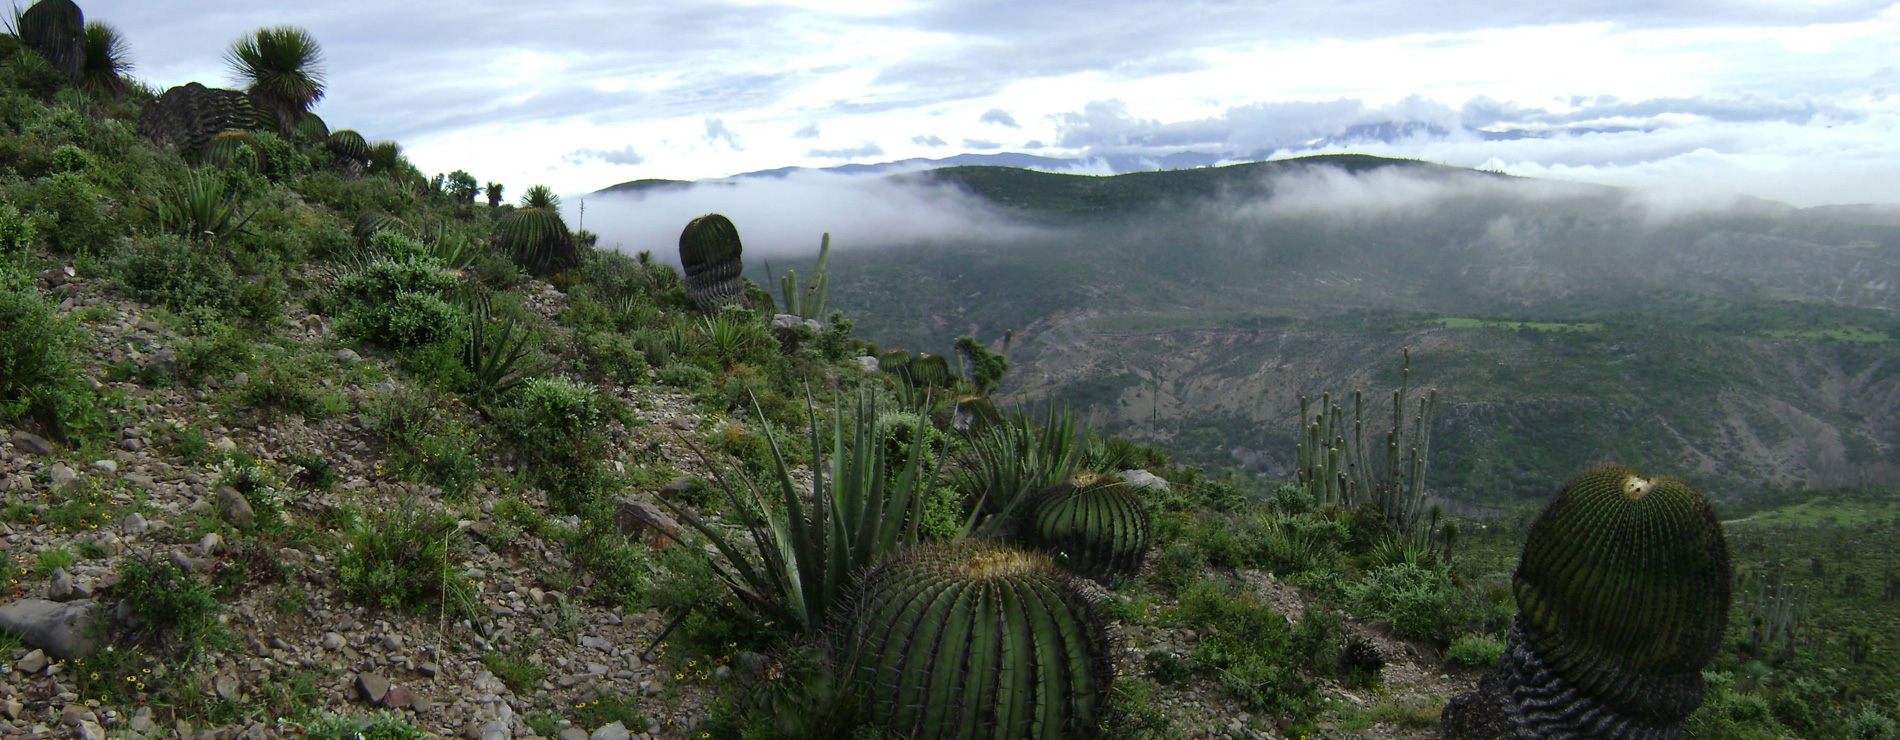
926, 369
236, 150
1623, 595
537, 237
976, 640
1098, 523
895, 362
313, 129
189, 115
710, 253
56, 29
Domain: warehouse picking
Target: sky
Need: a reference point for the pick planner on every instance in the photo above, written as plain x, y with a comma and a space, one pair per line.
1791, 100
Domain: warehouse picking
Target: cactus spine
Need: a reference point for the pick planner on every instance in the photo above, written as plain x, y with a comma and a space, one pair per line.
710, 252
1623, 596
974, 640
1099, 523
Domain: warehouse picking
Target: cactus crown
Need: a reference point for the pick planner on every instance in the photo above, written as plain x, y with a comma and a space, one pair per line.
1099, 522
1623, 587
975, 640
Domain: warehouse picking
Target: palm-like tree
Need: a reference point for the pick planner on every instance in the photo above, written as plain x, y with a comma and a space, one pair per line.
282, 69
541, 196
108, 58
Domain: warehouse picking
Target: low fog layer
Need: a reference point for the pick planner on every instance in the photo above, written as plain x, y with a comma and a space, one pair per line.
786, 217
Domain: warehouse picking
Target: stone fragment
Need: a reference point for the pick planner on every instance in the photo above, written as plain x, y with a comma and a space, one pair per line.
347, 356
91, 731
109, 467
372, 687
333, 641
32, 443
34, 662
226, 687
134, 524
1144, 479
397, 697
647, 523
60, 588
573, 733
64, 631
615, 731
62, 479
868, 363
234, 508
210, 544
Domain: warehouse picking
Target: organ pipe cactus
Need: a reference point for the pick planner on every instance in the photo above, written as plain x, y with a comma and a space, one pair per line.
1623, 595
710, 253
975, 640
1099, 524
810, 302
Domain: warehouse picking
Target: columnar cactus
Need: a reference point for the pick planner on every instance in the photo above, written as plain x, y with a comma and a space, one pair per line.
1099, 523
710, 253
189, 115
1623, 595
975, 640
56, 29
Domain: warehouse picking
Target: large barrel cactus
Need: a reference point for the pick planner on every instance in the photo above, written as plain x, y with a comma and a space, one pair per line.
974, 640
710, 253
189, 115
1098, 523
312, 129
235, 150
538, 240
926, 369
1623, 595
56, 29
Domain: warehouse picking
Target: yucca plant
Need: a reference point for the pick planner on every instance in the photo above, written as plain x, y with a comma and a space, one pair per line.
493, 191
282, 68
812, 545
974, 640
108, 59
1002, 465
536, 236
385, 158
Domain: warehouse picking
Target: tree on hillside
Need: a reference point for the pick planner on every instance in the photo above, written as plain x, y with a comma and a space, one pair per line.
282, 69
462, 187
107, 59
494, 195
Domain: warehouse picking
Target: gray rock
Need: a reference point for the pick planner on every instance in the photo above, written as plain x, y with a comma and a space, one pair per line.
397, 697
142, 721
685, 422
62, 478
372, 686
496, 730
647, 523
64, 631
869, 363
60, 588
615, 731
240, 380
91, 731
109, 467
224, 444
573, 733
32, 443
34, 662
334, 641
234, 508
132, 444
347, 356
226, 686
134, 524
210, 544
13, 709
1144, 479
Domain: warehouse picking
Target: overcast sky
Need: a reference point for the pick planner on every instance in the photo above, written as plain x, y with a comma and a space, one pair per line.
1793, 100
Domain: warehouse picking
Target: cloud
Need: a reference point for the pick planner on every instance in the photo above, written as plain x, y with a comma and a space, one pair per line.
810, 131
932, 140
867, 149
999, 117
784, 217
716, 132
623, 156
981, 144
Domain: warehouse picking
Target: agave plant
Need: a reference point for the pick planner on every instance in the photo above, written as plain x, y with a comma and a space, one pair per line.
498, 354
812, 545
1003, 464
108, 59
197, 206
282, 67
372, 222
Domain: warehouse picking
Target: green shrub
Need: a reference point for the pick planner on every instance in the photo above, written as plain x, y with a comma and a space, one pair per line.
171, 272
396, 302
1178, 566
69, 158
1246, 646
516, 671
69, 212
1165, 667
1481, 651
1411, 598
556, 421
171, 604
403, 558
379, 726
39, 381
1870, 724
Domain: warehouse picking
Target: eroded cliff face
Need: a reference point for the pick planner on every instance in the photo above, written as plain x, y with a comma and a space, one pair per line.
1517, 411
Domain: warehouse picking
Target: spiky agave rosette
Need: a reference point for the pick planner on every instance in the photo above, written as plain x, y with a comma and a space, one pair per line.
975, 640
1623, 595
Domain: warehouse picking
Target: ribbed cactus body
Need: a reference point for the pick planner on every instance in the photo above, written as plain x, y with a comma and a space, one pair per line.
972, 640
926, 369
56, 29
895, 362
1623, 596
348, 144
239, 149
710, 252
190, 115
1100, 524
538, 240
313, 129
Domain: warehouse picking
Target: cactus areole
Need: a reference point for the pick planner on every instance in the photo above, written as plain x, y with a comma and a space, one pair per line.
1623, 590
974, 640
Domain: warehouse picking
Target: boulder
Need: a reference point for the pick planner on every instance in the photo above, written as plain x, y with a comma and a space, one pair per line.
64, 631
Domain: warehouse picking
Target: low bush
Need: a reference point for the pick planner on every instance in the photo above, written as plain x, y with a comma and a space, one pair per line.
404, 558
171, 605
1411, 598
379, 726
1480, 651
396, 301
39, 381
172, 272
